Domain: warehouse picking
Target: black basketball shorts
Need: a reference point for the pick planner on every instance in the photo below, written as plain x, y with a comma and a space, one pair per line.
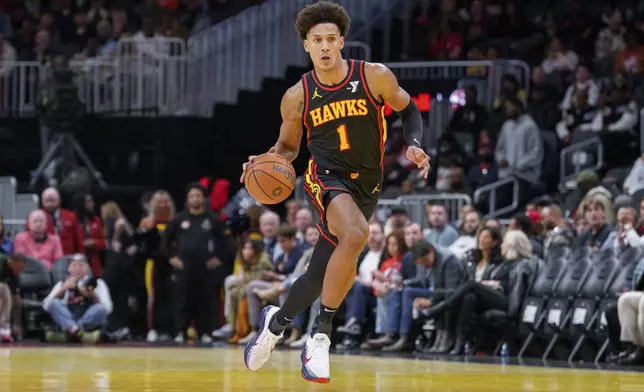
323, 185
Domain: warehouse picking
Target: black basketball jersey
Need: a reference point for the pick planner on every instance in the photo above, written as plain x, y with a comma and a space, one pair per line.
345, 123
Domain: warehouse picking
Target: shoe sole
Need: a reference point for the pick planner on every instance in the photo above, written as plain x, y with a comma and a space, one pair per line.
261, 327
308, 376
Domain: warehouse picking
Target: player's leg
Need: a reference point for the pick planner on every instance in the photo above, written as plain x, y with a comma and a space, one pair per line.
304, 291
346, 222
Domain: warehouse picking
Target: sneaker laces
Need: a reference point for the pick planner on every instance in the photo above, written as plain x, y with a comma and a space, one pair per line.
319, 348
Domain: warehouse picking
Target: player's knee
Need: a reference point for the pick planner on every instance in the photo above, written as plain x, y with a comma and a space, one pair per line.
355, 236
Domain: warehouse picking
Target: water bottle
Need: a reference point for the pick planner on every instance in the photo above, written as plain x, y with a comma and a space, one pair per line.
504, 350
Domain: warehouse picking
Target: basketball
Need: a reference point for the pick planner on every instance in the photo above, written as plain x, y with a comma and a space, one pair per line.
270, 179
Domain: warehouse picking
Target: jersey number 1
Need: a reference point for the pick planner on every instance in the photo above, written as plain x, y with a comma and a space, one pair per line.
344, 138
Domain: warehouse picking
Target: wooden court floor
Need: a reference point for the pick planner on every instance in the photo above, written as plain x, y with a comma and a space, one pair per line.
114, 369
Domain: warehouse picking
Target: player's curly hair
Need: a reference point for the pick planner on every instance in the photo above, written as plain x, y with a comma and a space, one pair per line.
322, 12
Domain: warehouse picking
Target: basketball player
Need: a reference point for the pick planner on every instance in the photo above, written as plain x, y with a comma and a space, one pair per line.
341, 103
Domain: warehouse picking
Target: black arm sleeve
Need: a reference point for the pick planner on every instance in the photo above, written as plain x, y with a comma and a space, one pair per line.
412, 124
168, 238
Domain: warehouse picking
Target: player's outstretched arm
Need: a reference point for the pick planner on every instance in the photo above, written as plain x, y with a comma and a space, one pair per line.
292, 107
384, 85
288, 143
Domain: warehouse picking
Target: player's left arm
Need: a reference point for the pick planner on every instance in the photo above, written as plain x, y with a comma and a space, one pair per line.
383, 85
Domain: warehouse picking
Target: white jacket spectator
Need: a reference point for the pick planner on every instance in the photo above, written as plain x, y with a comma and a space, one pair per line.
559, 59
610, 39
467, 240
635, 180
626, 236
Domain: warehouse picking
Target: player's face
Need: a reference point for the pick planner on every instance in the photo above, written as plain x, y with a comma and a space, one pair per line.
324, 44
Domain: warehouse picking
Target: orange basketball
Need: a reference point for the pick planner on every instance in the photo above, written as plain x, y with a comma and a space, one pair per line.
270, 179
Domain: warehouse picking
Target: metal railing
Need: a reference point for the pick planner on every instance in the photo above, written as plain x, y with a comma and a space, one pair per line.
357, 50
577, 157
415, 205
19, 81
642, 130
490, 193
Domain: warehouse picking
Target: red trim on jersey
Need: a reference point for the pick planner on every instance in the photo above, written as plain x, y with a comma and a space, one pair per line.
363, 78
314, 169
337, 86
323, 234
306, 109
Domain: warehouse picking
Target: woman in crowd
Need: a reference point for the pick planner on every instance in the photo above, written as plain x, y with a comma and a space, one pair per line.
384, 282
118, 271
158, 270
254, 263
36, 242
501, 290
6, 246
94, 232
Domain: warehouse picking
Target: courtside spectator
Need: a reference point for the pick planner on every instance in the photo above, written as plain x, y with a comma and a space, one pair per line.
268, 225
36, 242
158, 271
303, 220
10, 304
93, 231
467, 239
626, 235
635, 179
6, 245
558, 232
447, 274
62, 222
600, 235
79, 304
440, 232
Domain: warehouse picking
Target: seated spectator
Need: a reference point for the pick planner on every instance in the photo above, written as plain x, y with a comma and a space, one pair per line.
361, 293
467, 239
254, 263
398, 219
502, 291
93, 231
579, 118
384, 282
269, 223
447, 274
640, 222
283, 266
631, 58
470, 117
583, 81
62, 222
635, 179
519, 152
303, 223
10, 304
626, 235
620, 112
600, 235
36, 242
522, 222
558, 232
6, 245
559, 58
630, 306
480, 265
79, 304
440, 232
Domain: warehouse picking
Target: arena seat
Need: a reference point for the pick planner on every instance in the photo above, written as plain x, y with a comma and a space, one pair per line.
558, 309
533, 305
503, 321
35, 283
594, 327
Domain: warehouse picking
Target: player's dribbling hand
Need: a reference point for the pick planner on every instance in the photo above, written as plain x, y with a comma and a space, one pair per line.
420, 158
250, 160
